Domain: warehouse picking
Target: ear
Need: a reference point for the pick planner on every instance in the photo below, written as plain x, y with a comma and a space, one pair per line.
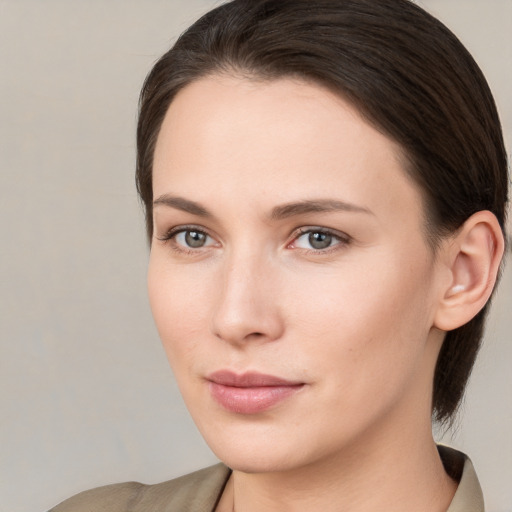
473, 258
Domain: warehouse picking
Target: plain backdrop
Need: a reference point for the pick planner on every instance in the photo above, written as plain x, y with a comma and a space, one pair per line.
86, 396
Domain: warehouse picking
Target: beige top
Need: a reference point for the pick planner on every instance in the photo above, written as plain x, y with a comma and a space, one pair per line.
201, 491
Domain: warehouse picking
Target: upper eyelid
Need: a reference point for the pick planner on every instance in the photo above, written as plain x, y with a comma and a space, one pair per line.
320, 229
169, 233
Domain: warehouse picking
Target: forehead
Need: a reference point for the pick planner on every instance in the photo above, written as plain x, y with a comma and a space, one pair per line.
273, 140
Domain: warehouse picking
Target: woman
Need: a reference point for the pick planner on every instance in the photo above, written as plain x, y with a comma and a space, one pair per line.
325, 193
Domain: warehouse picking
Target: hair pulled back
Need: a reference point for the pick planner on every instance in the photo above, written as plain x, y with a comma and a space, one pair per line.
405, 72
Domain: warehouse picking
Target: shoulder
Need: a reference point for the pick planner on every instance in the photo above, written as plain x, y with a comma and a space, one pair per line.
115, 498
198, 491
468, 497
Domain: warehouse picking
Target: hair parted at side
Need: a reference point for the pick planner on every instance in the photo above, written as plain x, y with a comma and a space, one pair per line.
405, 72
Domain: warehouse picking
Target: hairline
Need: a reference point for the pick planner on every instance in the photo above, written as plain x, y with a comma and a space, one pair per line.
432, 234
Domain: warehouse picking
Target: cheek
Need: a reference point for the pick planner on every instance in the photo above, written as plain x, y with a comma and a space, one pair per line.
363, 295
178, 303
367, 317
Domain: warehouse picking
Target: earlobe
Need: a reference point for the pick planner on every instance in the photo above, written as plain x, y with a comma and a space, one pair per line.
473, 256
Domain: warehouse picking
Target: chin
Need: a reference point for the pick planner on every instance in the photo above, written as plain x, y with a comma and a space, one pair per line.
264, 450
254, 461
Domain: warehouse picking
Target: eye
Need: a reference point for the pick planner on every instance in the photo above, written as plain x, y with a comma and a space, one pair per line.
193, 239
318, 239
188, 238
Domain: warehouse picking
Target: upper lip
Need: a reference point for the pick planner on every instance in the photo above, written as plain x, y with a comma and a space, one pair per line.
248, 379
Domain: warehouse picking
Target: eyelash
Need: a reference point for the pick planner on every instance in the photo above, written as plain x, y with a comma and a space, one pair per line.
342, 239
170, 238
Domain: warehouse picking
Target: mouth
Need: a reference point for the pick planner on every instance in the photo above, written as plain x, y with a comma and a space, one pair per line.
250, 393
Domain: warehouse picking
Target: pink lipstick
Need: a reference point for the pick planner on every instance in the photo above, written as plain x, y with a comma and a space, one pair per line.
250, 392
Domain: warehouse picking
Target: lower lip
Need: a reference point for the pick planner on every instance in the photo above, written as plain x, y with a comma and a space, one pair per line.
251, 400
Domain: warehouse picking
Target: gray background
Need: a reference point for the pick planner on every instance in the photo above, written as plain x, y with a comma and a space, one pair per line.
86, 396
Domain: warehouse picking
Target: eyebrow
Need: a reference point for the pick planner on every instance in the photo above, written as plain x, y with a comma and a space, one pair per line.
315, 206
183, 204
278, 213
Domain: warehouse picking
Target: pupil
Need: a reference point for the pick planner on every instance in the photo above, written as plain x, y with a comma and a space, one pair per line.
320, 240
195, 238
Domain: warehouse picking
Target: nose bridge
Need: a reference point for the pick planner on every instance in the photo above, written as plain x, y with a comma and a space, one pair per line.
247, 305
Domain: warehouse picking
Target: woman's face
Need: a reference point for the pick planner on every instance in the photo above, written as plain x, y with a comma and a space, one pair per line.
289, 277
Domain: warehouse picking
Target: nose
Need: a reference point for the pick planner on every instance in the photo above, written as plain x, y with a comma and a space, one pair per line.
248, 309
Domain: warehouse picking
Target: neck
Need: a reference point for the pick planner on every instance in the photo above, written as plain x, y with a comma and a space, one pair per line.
401, 474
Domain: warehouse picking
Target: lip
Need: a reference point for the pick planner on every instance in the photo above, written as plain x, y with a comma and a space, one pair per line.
251, 392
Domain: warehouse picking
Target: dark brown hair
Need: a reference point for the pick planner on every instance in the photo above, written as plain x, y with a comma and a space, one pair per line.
405, 72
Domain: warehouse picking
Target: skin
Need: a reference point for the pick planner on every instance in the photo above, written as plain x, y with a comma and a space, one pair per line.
354, 322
